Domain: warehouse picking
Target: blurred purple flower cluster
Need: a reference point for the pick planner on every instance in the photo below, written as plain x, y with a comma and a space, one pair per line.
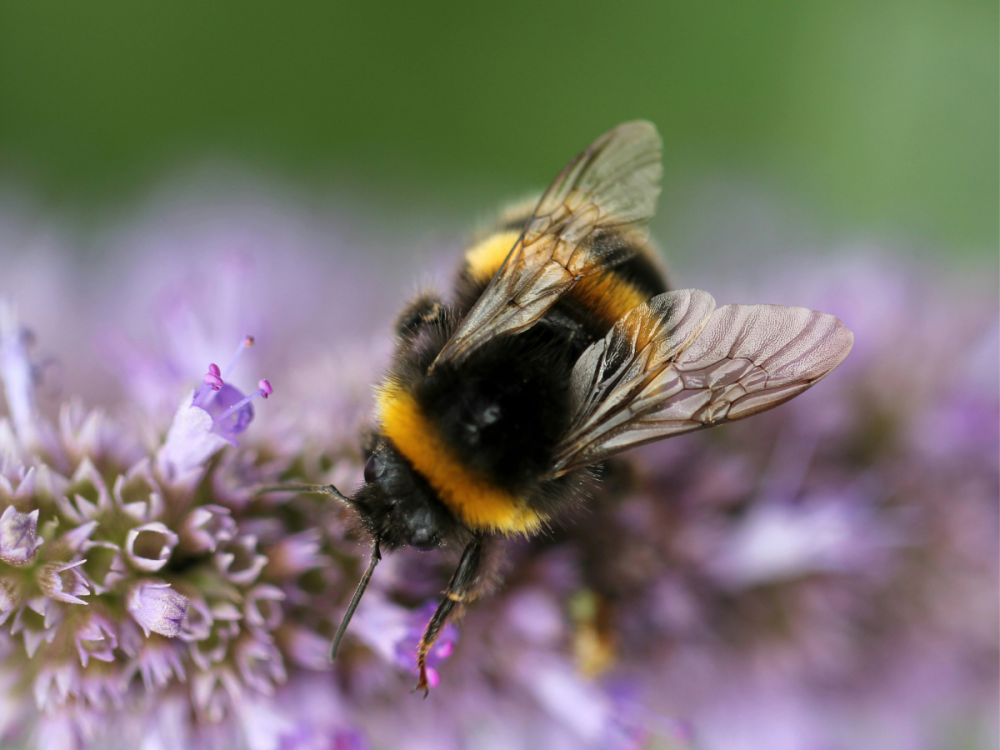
822, 576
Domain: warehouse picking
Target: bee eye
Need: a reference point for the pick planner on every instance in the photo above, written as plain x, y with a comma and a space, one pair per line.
374, 469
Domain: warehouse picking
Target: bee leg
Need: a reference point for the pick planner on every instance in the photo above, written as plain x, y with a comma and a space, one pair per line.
460, 588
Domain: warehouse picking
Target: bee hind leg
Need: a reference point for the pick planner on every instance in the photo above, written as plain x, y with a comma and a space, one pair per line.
460, 590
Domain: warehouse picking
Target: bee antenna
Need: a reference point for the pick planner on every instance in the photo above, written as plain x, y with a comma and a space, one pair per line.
326, 489
376, 556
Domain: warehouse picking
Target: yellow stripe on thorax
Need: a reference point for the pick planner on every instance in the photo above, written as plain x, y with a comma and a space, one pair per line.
478, 503
485, 259
605, 295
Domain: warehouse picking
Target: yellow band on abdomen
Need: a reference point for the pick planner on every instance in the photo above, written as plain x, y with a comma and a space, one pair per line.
477, 502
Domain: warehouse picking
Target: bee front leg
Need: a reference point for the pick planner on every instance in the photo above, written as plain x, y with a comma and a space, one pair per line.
460, 589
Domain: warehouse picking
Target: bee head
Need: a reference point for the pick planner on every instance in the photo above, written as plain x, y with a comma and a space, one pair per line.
396, 504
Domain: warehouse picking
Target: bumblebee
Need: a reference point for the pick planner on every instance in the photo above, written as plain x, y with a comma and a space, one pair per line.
560, 347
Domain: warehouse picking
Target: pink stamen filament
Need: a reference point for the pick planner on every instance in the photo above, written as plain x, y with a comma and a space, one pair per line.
263, 393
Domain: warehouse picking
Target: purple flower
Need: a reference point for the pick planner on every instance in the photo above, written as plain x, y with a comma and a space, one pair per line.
189, 444
63, 582
777, 542
16, 373
206, 527
294, 555
239, 560
96, 639
216, 414
158, 664
148, 547
18, 536
157, 607
262, 608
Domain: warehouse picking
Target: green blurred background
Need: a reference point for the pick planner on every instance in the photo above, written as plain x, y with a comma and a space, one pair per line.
873, 117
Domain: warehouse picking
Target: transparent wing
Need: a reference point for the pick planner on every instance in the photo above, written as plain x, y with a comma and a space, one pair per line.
675, 364
612, 185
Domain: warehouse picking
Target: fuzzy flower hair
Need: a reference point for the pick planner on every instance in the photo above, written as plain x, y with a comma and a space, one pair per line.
824, 575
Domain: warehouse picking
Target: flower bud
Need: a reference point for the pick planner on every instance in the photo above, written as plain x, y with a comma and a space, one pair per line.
157, 607
18, 536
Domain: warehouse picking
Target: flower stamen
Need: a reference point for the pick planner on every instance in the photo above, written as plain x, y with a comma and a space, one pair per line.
264, 390
211, 382
245, 344
217, 412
